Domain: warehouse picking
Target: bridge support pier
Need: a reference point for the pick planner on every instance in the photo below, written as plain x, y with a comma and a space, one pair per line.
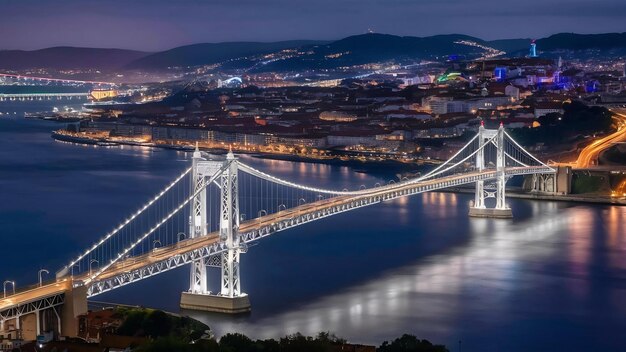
75, 305
478, 208
215, 303
230, 299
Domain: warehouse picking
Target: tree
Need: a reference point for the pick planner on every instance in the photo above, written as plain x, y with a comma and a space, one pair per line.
577, 121
165, 344
410, 343
132, 325
156, 324
269, 345
236, 342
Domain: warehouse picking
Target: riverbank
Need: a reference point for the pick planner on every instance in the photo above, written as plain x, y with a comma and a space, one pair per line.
380, 167
391, 167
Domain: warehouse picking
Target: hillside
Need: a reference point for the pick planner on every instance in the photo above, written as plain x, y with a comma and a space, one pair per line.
353, 50
510, 45
211, 53
573, 41
373, 47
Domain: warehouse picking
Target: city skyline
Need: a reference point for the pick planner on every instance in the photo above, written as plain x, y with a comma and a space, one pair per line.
159, 25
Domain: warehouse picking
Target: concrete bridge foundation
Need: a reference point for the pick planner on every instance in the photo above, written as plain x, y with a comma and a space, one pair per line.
215, 303
75, 305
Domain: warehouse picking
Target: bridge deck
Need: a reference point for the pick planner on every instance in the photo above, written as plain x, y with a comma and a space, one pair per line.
35, 294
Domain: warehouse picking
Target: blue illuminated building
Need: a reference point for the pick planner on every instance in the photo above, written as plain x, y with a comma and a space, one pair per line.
500, 73
533, 49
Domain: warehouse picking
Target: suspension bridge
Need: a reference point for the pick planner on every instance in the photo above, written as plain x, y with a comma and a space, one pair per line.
30, 78
211, 213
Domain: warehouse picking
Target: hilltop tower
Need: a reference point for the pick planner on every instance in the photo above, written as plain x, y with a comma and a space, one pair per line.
533, 49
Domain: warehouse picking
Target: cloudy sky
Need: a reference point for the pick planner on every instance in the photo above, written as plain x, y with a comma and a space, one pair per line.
161, 24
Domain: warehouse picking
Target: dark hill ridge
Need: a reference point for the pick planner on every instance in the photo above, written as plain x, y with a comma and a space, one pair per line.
211, 53
372, 43
353, 50
573, 41
64, 57
510, 45
373, 47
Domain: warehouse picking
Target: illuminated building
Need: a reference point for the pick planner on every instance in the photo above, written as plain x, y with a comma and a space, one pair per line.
500, 73
533, 49
544, 108
234, 82
337, 116
101, 94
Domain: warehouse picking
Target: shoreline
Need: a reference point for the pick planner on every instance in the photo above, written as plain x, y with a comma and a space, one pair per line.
386, 167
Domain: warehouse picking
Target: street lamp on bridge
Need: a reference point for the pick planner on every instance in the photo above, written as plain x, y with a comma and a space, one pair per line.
90, 264
262, 213
42, 271
5, 287
72, 269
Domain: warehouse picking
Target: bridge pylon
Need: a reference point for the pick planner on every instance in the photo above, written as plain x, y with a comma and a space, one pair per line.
229, 299
198, 224
479, 208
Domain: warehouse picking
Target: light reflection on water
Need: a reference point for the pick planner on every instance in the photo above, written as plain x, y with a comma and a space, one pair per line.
460, 292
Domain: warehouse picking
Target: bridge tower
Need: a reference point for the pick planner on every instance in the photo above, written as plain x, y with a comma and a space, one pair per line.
229, 227
479, 209
198, 223
229, 299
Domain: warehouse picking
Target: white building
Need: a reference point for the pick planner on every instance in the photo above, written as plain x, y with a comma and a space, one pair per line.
512, 91
436, 104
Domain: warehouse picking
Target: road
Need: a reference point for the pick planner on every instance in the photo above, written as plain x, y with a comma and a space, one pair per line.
589, 155
35, 293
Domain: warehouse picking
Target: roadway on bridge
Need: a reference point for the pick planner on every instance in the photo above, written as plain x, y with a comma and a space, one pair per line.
35, 293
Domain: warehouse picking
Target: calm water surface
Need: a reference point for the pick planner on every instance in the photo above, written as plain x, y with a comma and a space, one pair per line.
552, 279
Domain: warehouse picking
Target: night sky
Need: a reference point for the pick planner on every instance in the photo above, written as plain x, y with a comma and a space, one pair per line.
161, 24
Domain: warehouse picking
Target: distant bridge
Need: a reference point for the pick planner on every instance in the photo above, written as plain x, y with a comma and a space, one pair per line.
57, 80
42, 96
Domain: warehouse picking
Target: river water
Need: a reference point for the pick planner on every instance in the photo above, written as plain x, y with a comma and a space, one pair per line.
552, 279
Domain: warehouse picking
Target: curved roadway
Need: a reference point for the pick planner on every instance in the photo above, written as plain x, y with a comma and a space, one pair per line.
590, 154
